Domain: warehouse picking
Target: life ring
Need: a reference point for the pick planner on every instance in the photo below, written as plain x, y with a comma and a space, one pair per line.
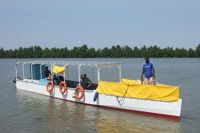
48, 88
79, 92
63, 87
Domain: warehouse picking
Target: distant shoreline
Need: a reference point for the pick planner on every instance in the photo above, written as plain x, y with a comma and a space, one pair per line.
113, 52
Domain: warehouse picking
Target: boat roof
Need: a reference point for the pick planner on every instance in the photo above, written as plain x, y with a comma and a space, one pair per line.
77, 63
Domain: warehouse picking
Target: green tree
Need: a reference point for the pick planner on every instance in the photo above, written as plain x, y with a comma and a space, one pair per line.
198, 51
85, 52
1, 53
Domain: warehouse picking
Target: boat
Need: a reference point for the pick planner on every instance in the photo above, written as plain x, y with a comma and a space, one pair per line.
125, 94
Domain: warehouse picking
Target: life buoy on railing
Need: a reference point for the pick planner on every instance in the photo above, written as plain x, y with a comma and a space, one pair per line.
50, 86
79, 92
63, 87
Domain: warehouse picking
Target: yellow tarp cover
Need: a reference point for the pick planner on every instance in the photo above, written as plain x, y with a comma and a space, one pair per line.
58, 69
134, 89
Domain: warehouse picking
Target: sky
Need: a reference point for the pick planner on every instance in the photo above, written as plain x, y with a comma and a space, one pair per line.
99, 23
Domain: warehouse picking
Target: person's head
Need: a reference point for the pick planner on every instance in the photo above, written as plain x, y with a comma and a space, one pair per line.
82, 76
146, 59
46, 68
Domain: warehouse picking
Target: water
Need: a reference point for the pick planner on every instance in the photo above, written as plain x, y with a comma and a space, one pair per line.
22, 111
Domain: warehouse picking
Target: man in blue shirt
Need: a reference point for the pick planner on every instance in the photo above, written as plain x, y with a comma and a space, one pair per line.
148, 72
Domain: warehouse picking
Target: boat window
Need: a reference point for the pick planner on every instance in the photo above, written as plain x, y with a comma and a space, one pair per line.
19, 71
27, 71
90, 71
110, 74
72, 73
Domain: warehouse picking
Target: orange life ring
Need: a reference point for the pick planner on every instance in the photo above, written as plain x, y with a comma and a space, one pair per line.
79, 92
63, 87
50, 83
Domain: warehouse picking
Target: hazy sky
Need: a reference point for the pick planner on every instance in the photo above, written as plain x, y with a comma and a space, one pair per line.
99, 23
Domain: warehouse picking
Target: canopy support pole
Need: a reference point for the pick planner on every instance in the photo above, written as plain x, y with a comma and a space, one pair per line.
23, 70
79, 73
16, 66
98, 73
120, 73
65, 70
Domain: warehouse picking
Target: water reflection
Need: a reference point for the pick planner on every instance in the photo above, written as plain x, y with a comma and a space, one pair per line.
110, 121
54, 115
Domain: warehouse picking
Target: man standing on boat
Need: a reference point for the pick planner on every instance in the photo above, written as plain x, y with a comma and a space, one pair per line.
148, 72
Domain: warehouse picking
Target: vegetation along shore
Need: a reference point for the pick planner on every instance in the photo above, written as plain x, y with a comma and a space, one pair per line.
85, 52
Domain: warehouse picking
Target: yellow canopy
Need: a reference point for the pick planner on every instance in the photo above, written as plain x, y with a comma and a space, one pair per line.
133, 89
58, 69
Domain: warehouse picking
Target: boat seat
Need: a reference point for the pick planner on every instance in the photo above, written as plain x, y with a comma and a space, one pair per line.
71, 83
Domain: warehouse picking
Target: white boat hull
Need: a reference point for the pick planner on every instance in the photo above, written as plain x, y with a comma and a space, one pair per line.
170, 110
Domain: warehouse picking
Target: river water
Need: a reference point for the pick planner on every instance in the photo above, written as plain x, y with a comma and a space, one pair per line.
22, 112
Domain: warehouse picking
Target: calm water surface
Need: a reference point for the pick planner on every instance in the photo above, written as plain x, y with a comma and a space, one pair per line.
22, 111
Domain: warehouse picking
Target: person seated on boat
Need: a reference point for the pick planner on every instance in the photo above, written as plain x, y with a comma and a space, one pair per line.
57, 79
148, 72
86, 82
60, 78
47, 73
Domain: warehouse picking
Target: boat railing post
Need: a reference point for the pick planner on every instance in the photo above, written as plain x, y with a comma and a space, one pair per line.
65, 70
40, 71
52, 68
120, 73
98, 73
79, 73
31, 71
23, 71
16, 65
98, 79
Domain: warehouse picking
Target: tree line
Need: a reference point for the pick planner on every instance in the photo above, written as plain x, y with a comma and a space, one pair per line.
85, 52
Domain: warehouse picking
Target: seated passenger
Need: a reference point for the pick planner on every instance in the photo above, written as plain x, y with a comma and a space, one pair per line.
57, 79
86, 82
61, 78
47, 73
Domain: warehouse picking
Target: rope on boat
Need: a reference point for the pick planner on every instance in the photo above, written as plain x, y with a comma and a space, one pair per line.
121, 101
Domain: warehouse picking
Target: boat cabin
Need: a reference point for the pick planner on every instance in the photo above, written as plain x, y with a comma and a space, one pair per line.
73, 73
